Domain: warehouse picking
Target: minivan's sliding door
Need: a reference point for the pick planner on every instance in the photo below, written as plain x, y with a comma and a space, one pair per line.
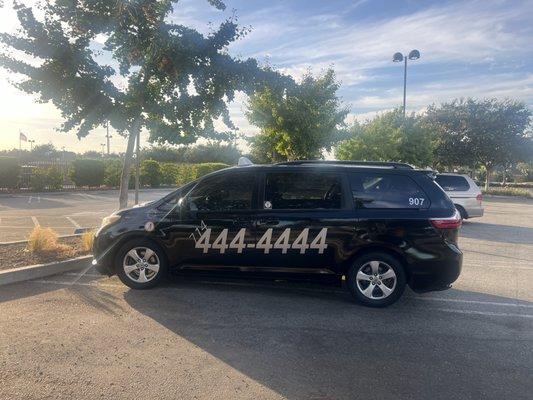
305, 221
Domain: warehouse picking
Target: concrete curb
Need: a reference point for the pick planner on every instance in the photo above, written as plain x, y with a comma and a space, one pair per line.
40, 270
26, 240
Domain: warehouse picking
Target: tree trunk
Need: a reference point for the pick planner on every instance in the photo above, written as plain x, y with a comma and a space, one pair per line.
488, 172
126, 170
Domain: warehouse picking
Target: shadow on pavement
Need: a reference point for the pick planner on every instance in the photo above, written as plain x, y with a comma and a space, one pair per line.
307, 341
497, 233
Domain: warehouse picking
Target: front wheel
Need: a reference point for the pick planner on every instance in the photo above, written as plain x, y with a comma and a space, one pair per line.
376, 280
141, 264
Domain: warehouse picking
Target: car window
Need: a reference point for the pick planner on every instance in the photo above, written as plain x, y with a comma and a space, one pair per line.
223, 193
374, 190
170, 201
453, 183
303, 190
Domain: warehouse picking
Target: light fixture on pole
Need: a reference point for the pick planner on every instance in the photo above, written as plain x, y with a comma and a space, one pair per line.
31, 142
103, 148
399, 57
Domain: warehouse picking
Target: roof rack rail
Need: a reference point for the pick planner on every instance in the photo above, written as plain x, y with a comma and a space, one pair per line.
360, 163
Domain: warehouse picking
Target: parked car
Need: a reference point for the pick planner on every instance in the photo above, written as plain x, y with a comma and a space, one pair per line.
380, 225
464, 192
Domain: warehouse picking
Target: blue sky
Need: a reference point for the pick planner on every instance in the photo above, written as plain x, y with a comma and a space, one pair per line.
469, 49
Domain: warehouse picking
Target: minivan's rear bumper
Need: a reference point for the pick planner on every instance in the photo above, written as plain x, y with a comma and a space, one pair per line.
437, 274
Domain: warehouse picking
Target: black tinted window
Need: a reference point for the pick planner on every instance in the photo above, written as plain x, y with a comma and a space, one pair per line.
386, 191
300, 190
226, 192
452, 183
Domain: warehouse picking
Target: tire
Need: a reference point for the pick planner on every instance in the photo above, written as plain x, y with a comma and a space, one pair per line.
462, 211
143, 273
387, 290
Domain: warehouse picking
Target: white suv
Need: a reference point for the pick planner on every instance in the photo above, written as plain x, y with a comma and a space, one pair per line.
464, 193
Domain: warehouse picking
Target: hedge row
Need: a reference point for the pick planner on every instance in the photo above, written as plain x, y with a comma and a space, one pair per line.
155, 174
95, 173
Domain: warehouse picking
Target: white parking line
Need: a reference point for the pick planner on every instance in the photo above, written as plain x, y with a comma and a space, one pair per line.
35, 221
94, 197
76, 225
488, 313
491, 303
75, 283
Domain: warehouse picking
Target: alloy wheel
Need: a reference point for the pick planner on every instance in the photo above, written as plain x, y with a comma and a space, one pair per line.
141, 264
376, 280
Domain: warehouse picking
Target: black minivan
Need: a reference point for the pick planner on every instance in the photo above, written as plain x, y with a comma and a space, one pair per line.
380, 225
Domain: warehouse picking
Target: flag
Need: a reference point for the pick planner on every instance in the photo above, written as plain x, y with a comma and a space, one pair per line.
23, 137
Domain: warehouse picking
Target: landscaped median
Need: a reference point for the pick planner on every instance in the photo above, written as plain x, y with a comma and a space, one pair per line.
42, 255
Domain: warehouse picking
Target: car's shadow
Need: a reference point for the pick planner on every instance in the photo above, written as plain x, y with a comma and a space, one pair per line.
310, 341
497, 232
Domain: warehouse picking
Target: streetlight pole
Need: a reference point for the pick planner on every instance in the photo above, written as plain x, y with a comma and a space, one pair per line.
107, 136
137, 166
103, 148
399, 57
32, 141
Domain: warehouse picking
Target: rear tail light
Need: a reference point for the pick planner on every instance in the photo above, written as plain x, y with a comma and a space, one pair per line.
447, 223
479, 198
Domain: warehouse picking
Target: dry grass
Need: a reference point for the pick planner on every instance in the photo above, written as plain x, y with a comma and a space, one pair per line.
87, 240
45, 241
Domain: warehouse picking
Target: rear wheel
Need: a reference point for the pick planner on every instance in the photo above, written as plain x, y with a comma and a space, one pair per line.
462, 211
141, 264
376, 279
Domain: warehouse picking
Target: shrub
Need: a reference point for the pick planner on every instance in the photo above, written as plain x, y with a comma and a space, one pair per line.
169, 173
38, 179
87, 172
206, 168
150, 173
54, 178
44, 240
509, 191
186, 174
87, 240
43, 178
112, 173
9, 172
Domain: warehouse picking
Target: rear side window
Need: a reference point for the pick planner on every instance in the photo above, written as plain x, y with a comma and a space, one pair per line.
302, 190
452, 183
228, 192
375, 190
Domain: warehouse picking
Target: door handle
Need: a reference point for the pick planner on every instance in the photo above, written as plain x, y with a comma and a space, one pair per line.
267, 222
242, 221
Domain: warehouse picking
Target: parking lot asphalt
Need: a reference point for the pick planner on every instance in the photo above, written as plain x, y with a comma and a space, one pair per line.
62, 211
216, 337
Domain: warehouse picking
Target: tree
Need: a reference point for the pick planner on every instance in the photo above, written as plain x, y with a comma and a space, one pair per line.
263, 149
213, 153
174, 80
44, 152
302, 120
389, 137
483, 133
151, 173
164, 154
87, 172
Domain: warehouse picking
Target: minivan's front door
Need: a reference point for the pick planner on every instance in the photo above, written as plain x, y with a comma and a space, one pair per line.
220, 214
306, 221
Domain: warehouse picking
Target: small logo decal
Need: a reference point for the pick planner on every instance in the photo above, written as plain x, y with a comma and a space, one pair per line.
149, 226
267, 205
